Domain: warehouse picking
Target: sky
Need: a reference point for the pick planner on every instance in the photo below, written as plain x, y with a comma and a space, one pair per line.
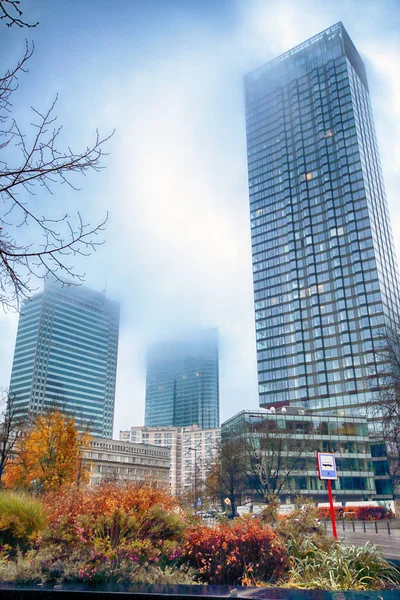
167, 75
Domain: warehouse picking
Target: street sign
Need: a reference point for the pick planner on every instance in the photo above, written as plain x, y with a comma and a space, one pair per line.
227, 501
326, 465
198, 501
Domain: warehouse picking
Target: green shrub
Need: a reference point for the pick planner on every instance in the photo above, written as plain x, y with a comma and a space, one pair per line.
22, 517
339, 568
95, 569
302, 524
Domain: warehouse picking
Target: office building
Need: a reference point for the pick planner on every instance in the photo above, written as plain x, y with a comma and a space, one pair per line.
325, 273
182, 382
192, 451
111, 460
66, 356
285, 443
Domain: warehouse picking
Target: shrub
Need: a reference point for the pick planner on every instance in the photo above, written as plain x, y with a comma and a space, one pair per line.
21, 519
118, 530
364, 513
242, 551
303, 524
372, 513
116, 513
37, 567
339, 568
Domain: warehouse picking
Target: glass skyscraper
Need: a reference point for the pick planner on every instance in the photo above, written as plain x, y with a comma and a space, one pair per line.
66, 355
182, 385
325, 273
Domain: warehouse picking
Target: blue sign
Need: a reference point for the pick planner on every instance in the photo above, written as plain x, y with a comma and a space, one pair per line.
198, 501
326, 465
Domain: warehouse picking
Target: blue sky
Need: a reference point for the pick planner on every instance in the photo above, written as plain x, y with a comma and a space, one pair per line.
168, 76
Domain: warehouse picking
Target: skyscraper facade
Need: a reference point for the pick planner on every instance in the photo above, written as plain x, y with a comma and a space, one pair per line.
182, 385
325, 273
66, 356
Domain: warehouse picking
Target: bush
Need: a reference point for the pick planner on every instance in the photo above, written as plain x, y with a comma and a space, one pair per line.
339, 568
37, 567
372, 513
302, 524
241, 552
114, 513
364, 513
107, 534
21, 520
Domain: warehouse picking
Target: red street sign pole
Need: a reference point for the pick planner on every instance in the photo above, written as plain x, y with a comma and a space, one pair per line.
332, 510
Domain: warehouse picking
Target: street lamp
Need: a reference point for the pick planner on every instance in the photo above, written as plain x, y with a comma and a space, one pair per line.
195, 450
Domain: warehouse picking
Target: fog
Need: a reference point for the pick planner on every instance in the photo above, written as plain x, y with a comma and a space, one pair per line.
168, 77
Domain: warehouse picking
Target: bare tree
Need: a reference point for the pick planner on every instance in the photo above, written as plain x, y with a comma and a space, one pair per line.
11, 426
275, 459
227, 473
262, 458
10, 14
33, 245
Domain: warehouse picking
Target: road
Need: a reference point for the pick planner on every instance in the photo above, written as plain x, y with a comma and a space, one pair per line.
390, 544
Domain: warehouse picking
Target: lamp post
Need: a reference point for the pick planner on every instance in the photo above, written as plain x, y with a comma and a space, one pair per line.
195, 450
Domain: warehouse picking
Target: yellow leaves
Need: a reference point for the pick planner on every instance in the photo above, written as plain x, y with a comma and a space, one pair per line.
49, 455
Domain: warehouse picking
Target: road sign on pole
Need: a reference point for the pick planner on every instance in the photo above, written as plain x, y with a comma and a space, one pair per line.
326, 465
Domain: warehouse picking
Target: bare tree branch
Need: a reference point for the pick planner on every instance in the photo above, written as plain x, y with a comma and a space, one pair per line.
33, 245
11, 14
11, 427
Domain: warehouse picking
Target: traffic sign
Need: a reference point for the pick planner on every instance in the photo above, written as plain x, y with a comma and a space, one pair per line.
326, 465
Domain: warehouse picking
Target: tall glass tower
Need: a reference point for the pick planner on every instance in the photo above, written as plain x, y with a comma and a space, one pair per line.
66, 356
182, 386
325, 273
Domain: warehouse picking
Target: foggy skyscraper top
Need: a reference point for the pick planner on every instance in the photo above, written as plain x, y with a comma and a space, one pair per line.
182, 381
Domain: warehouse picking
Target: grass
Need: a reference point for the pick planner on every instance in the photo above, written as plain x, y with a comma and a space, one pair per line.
21, 517
339, 568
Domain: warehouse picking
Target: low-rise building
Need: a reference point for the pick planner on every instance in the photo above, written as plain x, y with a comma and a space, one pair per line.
113, 460
192, 450
282, 445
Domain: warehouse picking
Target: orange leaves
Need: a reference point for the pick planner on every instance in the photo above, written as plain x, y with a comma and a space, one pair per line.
364, 513
225, 554
49, 455
105, 499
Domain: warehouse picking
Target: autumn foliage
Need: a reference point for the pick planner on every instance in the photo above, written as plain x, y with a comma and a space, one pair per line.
124, 511
110, 531
49, 455
363, 513
236, 553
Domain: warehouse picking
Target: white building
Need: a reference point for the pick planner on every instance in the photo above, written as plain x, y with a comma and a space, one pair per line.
191, 447
113, 460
